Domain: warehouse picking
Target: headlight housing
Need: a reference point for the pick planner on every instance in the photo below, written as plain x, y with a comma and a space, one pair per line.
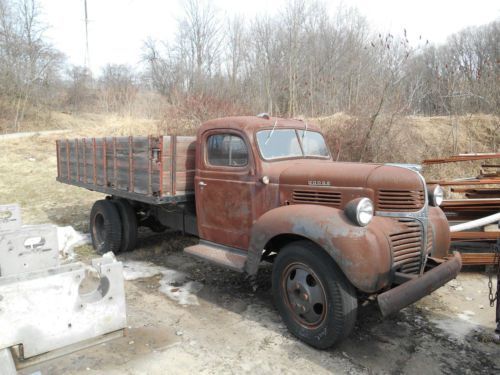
360, 211
436, 195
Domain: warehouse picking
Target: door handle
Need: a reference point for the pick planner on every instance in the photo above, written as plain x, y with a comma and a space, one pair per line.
201, 183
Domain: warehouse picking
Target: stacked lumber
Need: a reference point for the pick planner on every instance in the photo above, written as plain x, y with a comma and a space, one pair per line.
476, 246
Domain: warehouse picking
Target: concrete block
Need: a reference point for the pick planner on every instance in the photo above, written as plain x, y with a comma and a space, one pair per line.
7, 366
10, 217
28, 248
47, 310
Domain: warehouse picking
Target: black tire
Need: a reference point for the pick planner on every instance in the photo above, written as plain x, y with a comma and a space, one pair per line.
314, 298
129, 224
105, 227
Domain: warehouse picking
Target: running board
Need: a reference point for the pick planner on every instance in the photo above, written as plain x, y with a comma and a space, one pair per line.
219, 254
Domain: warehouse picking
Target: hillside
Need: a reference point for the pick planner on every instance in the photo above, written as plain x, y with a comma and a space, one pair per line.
28, 165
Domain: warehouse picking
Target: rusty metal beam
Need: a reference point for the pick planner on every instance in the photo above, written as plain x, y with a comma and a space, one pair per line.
463, 157
471, 202
483, 181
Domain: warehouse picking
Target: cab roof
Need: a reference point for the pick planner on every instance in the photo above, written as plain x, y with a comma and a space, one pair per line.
250, 124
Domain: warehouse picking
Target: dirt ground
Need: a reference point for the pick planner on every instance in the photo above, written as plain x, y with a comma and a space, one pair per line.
229, 326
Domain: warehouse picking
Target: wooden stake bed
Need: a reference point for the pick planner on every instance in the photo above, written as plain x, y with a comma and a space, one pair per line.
147, 169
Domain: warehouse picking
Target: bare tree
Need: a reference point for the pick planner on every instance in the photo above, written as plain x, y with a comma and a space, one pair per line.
28, 62
118, 87
199, 41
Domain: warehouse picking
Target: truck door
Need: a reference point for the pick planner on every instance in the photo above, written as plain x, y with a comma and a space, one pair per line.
224, 185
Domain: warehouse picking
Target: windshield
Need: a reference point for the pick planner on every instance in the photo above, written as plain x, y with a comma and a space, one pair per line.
313, 143
284, 143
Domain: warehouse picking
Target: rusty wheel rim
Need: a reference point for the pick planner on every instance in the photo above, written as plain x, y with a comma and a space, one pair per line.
98, 231
304, 295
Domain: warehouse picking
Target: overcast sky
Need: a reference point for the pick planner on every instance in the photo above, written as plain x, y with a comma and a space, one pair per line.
118, 28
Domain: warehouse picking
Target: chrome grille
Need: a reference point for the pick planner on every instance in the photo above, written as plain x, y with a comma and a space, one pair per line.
407, 247
430, 243
331, 198
400, 200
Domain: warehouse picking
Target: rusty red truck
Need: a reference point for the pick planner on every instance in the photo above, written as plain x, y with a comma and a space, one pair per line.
260, 188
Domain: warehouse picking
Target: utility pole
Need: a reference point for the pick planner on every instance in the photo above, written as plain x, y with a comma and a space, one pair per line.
87, 54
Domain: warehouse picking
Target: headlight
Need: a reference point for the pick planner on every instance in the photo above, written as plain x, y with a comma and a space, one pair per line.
436, 195
360, 211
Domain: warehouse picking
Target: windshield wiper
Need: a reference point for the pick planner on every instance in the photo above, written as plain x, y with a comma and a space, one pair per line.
305, 131
271, 133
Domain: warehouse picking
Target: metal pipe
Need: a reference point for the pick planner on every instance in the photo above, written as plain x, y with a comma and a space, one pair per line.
476, 223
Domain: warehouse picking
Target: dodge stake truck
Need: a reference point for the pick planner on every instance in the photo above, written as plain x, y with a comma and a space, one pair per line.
260, 188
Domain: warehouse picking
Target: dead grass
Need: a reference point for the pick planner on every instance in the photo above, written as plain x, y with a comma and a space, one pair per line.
28, 169
412, 139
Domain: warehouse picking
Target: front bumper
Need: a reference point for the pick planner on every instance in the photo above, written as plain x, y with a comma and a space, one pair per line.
411, 291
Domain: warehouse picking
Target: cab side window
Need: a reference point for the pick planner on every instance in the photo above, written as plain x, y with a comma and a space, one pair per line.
227, 150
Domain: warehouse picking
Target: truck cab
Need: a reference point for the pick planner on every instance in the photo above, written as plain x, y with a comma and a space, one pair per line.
267, 189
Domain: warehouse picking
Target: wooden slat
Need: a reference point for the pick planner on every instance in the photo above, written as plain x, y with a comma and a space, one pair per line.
104, 163
474, 236
94, 159
150, 161
173, 148
478, 259
130, 165
115, 175
77, 160
58, 145
160, 160
67, 160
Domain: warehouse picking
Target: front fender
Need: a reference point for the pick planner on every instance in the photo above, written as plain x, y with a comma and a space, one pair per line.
362, 253
441, 232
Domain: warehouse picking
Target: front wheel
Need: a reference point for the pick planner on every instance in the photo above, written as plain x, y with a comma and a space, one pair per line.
314, 298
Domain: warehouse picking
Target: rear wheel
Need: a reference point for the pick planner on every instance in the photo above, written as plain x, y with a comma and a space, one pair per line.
129, 224
314, 298
105, 227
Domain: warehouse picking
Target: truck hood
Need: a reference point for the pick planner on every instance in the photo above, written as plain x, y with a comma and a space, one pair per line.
395, 188
373, 176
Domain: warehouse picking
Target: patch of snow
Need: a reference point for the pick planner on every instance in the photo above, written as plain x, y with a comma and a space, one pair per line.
456, 328
109, 255
68, 238
134, 269
174, 284
183, 294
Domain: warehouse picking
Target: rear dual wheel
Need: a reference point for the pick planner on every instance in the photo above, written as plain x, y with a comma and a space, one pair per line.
314, 298
105, 227
113, 226
129, 225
